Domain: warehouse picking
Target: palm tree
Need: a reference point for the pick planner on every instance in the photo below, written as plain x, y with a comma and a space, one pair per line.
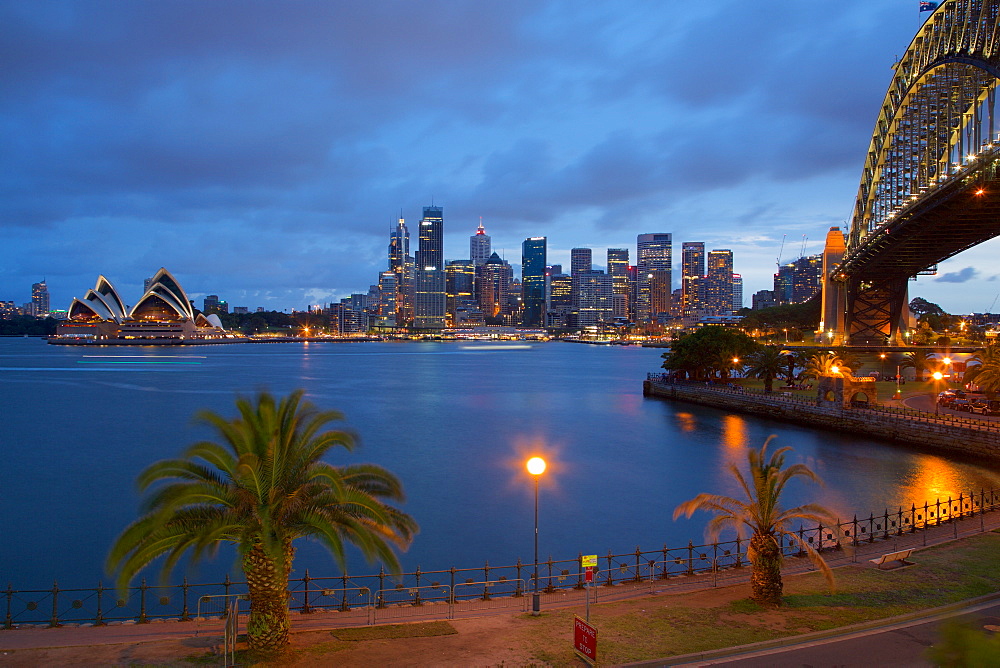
918, 360
767, 363
262, 486
763, 518
986, 371
822, 364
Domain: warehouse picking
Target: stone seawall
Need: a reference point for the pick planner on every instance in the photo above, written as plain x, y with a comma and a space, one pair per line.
970, 438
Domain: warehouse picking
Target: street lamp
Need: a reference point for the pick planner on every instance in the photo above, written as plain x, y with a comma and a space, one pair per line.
937, 404
736, 362
536, 467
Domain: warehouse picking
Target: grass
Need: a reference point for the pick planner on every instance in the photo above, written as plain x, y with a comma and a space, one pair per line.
394, 631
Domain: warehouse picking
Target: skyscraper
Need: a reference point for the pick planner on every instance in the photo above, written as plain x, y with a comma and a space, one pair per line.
654, 259
493, 279
719, 282
618, 270
580, 259
692, 271
737, 292
401, 264
39, 299
480, 245
429, 295
533, 263
460, 285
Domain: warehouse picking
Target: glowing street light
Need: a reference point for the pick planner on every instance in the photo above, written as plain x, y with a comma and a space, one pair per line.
881, 374
536, 467
937, 376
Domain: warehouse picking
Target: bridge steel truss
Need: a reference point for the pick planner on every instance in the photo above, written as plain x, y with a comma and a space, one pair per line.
929, 188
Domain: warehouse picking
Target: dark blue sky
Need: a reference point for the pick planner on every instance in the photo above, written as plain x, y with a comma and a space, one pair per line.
261, 150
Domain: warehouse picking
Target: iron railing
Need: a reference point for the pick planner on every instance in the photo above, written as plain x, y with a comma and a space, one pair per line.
366, 599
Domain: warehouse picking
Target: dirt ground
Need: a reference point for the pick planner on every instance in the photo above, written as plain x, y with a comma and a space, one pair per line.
496, 640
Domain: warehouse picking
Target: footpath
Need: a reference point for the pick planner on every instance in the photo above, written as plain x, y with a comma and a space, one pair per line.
205, 634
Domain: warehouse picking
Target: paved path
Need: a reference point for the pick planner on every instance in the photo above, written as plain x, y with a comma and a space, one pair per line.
69, 636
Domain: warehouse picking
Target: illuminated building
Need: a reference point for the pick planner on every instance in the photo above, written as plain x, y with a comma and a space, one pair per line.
737, 292
401, 263
460, 285
692, 271
493, 279
618, 270
39, 300
480, 246
719, 282
429, 294
560, 298
533, 297
654, 260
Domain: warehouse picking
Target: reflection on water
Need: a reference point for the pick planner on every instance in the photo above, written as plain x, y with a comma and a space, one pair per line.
456, 423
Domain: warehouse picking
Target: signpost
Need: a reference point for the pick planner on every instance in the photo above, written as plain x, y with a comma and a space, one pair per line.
585, 640
588, 563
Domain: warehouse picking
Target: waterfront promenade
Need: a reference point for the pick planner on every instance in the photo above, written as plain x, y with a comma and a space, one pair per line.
479, 636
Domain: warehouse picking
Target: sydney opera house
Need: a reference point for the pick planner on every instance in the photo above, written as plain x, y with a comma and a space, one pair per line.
163, 314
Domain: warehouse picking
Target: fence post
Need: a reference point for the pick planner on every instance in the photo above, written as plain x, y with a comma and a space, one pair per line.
739, 553
451, 596
344, 606
638, 555
226, 584
579, 571
913, 517
899, 522
185, 612
486, 582
9, 621
142, 603
549, 588
54, 622
305, 594
518, 592
885, 526
610, 580
690, 558
99, 620
416, 574
854, 531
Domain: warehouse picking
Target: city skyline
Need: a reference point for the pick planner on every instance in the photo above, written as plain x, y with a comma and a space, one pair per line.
262, 153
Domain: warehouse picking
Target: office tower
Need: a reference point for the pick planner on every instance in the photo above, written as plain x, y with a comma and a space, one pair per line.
737, 292
618, 271
654, 258
719, 282
429, 295
560, 298
763, 299
39, 299
401, 264
388, 291
580, 260
493, 279
594, 299
806, 274
460, 285
210, 304
533, 297
480, 246
554, 269
692, 271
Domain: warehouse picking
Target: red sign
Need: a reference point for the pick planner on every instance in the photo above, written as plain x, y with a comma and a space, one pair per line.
585, 640
589, 574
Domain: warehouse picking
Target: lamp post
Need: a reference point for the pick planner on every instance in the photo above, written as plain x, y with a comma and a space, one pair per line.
536, 467
937, 404
881, 374
736, 364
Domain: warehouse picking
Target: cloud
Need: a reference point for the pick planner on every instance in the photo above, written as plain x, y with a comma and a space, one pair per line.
966, 274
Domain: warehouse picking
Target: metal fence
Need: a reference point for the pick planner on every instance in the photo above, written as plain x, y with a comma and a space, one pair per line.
902, 412
368, 599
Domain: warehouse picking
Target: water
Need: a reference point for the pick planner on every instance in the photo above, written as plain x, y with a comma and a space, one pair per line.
455, 421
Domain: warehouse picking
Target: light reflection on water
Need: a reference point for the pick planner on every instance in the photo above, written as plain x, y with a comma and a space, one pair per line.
455, 421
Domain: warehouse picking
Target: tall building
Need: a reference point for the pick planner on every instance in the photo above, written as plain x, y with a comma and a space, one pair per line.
480, 245
580, 259
429, 294
388, 291
533, 296
493, 279
402, 265
737, 292
40, 299
460, 285
719, 282
654, 259
594, 299
618, 270
692, 271
560, 297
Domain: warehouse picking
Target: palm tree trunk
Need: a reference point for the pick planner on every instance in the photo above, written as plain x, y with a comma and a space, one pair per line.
765, 570
267, 583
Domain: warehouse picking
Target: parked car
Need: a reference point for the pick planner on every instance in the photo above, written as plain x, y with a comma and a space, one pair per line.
960, 404
989, 407
948, 397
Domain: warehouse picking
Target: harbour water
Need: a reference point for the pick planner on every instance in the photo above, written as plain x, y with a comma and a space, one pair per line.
455, 421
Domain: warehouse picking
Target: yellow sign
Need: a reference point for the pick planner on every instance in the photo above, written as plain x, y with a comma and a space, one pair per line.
588, 561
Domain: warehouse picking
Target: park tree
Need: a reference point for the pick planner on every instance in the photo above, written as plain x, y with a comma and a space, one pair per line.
984, 369
260, 487
822, 364
760, 517
708, 352
767, 363
918, 360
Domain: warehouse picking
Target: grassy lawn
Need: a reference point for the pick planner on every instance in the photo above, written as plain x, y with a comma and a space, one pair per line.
661, 626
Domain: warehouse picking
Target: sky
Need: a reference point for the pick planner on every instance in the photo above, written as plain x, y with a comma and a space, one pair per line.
261, 151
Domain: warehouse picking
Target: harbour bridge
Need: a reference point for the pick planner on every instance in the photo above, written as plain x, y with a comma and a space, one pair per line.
930, 187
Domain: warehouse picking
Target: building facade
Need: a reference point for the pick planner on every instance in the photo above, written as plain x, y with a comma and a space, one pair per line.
429, 291
533, 294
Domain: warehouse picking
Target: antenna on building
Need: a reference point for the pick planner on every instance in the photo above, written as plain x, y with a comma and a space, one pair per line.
802, 251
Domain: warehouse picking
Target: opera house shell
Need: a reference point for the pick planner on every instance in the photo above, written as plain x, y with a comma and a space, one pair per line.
162, 315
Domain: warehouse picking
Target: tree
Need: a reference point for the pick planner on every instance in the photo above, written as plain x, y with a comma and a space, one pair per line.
821, 364
762, 516
921, 307
918, 360
708, 351
767, 363
260, 488
986, 370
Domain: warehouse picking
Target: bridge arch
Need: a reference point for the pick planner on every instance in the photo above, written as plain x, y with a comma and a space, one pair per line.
934, 156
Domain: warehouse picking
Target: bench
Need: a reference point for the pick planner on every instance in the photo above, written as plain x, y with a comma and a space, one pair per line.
892, 556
